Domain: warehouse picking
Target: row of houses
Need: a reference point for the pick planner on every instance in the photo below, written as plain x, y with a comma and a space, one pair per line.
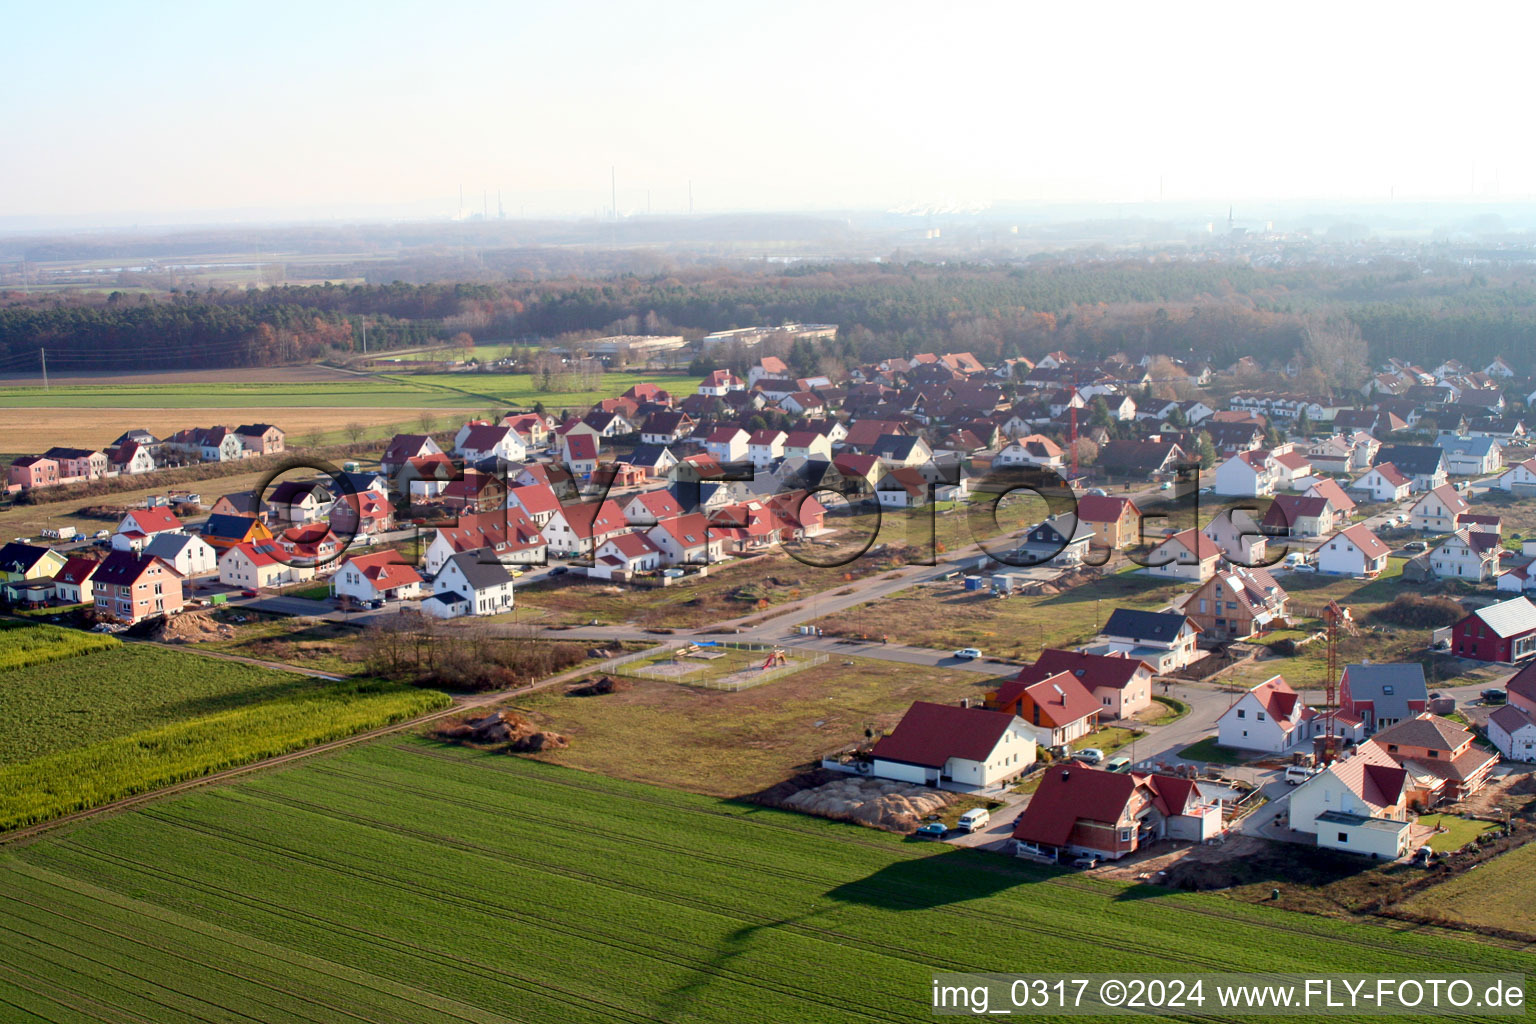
138, 451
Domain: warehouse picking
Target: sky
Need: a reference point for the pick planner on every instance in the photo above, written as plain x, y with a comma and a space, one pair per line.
171, 112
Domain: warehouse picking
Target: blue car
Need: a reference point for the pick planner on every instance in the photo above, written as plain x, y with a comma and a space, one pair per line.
933, 830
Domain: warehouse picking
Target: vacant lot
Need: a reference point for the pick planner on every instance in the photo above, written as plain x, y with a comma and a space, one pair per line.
86, 729
727, 744
946, 615
412, 882
1494, 895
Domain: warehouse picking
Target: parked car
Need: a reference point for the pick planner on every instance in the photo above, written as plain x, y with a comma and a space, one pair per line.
932, 830
1494, 696
102, 534
1086, 862
1415, 545
1090, 755
1118, 764
968, 654
558, 570
249, 592
1296, 774
1098, 492
975, 819
514, 573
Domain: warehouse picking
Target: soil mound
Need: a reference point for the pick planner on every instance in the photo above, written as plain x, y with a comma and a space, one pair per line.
505, 728
190, 628
894, 806
598, 687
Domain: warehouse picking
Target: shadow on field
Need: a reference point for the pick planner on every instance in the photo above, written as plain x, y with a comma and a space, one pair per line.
927, 882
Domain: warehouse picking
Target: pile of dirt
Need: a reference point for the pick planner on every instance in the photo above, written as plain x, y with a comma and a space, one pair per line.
507, 729
598, 687
894, 806
190, 628
1524, 785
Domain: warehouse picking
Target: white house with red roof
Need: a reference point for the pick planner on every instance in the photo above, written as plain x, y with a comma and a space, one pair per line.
624, 555
1353, 551
1189, 555
1251, 474
142, 524
687, 540
381, 576
727, 444
1437, 509
1030, 450
509, 535
938, 743
1270, 717
1519, 478
719, 383
1329, 489
765, 447
808, 444
1472, 555
1239, 537
255, 566
579, 528
767, 366
529, 426
1293, 470
650, 507
479, 442
1358, 804
402, 448
1078, 811
537, 501
1384, 482
579, 452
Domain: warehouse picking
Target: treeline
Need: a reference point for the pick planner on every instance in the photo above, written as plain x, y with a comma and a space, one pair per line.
1205, 310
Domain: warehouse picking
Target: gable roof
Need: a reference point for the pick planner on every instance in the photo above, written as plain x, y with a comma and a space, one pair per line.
1388, 687
930, 734
1391, 474
1414, 459
1511, 718
1112, 671
18, 557
154, 520
480, 573
228, 527
1070, 793
1523, 682
1100, 508
124, 569
384, 568
1508, 618
1159, 627
1361, 537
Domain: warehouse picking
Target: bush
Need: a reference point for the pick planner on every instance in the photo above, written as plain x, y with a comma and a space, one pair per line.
1422, 612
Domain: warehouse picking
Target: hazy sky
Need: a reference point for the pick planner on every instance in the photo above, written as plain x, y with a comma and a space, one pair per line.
171, 111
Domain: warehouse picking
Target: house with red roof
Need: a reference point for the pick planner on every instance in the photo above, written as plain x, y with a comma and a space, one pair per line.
508, 535
808, 444
1353, 551
363, 513
1238, 602
579, 528
130, 587
141, 524
687, 540
402, 448
1296, 515
1328, 488
311, 544
1188, 555
258, 565
1358, 804
718, 383
1383, 482
935, 744
32, 471
380, 576
1270, 717
1115, 521
650, 507
1248, 474
1443, 763
1437, 509
480, 442
621, 556
865, 433
579, 452
765, 447
1057, 707
727, 444
1082, 811
72, 584
473, 491
1122, 686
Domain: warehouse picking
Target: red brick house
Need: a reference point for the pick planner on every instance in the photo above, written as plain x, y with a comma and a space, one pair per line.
130, 587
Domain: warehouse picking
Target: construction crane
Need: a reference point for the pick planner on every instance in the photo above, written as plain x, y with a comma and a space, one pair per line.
1337, 618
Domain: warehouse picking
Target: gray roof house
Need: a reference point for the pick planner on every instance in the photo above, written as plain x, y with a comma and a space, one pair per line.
1383, 695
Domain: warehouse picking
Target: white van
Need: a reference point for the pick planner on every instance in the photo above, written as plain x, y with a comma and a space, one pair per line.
1296, 774
975, 819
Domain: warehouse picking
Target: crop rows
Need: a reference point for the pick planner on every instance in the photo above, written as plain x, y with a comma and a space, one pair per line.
413, 882
27, 646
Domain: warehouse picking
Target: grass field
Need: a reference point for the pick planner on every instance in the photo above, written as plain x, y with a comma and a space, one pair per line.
411, 883
944, 615
23, 645
1458, 831
90, 728
728, 744
1496, 895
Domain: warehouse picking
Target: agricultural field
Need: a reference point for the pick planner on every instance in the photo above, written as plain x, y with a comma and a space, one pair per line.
30, 646
943, 615
412, 882
728, 744
83, 730
1495, 895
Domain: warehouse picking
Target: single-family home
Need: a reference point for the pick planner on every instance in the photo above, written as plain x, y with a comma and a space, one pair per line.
718, 383
1519, 478
1424, 464
1031, 450
1237, 602
379, 576
1122, 686
300, 501
579, 528
1056, 708
32, 471
78, 463
1471, 555
1502, 632
902, 487
129, 586
402, 448
765, 447
624, 555
187, 554
938, 743
256, 566
1270, 717
664, 428
363, 514
241, 503
1471, 456
1249, 474
1353, 551
1082, 811
1521, 688
487, 442
140, 524
686, 540
1383, 482
579, 453
20, 561
72, 584
1328, 488
1381, 695
1436, 510
901, 451
469, 584
1512, 731
261, 439
808, 444
1358, 804
1115, 521
508, 535
650, 507
1295, 515
1188, 555
223, 532
1164, 640
654, 460
727, 444
1442, 762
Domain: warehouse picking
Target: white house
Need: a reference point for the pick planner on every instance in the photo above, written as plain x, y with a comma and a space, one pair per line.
764, 447
1519, 478
1436, 510
257, 566
470, 584
1383, 482
686, 540
1033, 450
1270, 717
625, 555
1238, 537
1353, 551
381, 576
1164, 640
142, 524
1513, 733
1358, 804
1467, 555
478, 442
935, 743
727, 444
188, 555
1250, 474
1189, 555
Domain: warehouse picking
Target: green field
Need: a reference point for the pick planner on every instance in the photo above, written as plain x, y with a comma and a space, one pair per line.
1496, 895
409, 882
24, 645
403, 390
87, 729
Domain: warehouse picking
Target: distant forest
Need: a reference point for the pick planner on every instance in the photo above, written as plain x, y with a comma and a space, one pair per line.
1200, 309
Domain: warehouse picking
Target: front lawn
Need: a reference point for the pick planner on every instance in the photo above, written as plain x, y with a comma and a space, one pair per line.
1211, 752
1458, 831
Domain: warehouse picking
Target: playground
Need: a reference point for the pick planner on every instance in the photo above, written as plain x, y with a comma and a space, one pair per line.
716, 665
